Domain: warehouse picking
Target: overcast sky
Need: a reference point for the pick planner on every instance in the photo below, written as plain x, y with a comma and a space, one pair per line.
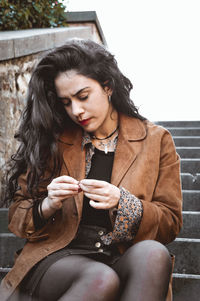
157, 45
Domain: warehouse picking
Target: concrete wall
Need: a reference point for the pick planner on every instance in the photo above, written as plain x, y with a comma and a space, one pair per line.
19, 52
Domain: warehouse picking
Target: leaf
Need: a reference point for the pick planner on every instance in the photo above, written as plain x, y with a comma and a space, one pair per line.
26, 14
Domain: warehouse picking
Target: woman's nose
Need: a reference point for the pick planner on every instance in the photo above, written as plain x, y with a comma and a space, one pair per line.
77, 108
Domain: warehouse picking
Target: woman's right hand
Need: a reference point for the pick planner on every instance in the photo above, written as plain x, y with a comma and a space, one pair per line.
59, 189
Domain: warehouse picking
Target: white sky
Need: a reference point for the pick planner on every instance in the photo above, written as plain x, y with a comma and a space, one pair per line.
157, 45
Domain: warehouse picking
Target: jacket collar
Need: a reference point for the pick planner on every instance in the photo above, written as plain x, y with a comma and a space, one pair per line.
132, 129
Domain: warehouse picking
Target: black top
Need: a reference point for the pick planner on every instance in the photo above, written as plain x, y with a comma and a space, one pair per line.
101, 169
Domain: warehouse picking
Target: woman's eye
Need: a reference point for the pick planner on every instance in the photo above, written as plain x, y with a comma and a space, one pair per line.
83, 97
67, 104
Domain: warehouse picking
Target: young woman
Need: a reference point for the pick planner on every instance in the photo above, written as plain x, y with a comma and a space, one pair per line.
95, 187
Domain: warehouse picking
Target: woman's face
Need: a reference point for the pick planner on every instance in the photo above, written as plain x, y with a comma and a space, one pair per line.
85, 101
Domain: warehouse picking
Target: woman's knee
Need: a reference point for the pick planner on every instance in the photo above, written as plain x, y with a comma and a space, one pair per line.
150, 247
156, 254
104, 280
148, 255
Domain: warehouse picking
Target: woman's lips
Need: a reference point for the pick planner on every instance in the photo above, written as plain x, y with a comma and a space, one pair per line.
84, 122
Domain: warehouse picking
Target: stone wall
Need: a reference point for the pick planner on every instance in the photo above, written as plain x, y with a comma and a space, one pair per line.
14, 78
19, 52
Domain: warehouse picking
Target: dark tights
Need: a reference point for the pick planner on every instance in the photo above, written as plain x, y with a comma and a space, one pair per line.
77, 278
142, 273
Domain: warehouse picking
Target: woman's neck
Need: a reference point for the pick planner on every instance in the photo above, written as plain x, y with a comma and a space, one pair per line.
108, 127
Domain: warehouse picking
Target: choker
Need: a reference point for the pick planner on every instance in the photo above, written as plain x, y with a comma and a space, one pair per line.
94, 137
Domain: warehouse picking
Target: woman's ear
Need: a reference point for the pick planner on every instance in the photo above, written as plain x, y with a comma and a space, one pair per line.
108, 90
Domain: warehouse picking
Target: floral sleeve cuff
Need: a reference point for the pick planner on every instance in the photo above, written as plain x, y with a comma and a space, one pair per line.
128, 218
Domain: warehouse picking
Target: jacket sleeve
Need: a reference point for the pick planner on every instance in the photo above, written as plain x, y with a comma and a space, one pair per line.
162, 216
21, 221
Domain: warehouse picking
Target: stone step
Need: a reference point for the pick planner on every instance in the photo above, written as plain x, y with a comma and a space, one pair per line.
187, 140
188, 152
9, 244
4, 220
191, 225
191, 200
180, 131
3, 272
186, 287
190, 182
190, 165
187, 259
181, 123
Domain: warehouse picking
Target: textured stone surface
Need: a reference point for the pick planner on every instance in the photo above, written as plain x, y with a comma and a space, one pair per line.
181, 123
191, 200
3, 272
188, 152
14, 77
191, 225
186, 287
190, 165
190, 182
187, 260
179, 131
187, 140
4, 220
9, 244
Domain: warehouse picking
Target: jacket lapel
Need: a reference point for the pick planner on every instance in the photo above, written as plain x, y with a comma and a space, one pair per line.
131, 130
74, 159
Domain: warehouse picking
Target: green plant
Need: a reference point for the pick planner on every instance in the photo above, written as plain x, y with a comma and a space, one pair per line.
17, 14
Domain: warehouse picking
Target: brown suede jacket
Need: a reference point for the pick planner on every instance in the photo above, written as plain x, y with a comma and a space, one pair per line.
145, 164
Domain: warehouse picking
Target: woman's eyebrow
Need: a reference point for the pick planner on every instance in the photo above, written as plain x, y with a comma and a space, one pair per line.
73, 95
81, 90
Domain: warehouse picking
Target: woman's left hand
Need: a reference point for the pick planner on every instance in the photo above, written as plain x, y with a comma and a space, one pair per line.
102, 195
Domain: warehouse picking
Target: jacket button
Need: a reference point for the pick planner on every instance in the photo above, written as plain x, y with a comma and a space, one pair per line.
100, 250
100, 232
98, 245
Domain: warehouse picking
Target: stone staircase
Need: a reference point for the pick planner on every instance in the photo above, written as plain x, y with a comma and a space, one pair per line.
186, 248
9, 243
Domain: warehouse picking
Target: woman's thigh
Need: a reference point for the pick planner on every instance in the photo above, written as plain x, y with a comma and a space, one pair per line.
78, 273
